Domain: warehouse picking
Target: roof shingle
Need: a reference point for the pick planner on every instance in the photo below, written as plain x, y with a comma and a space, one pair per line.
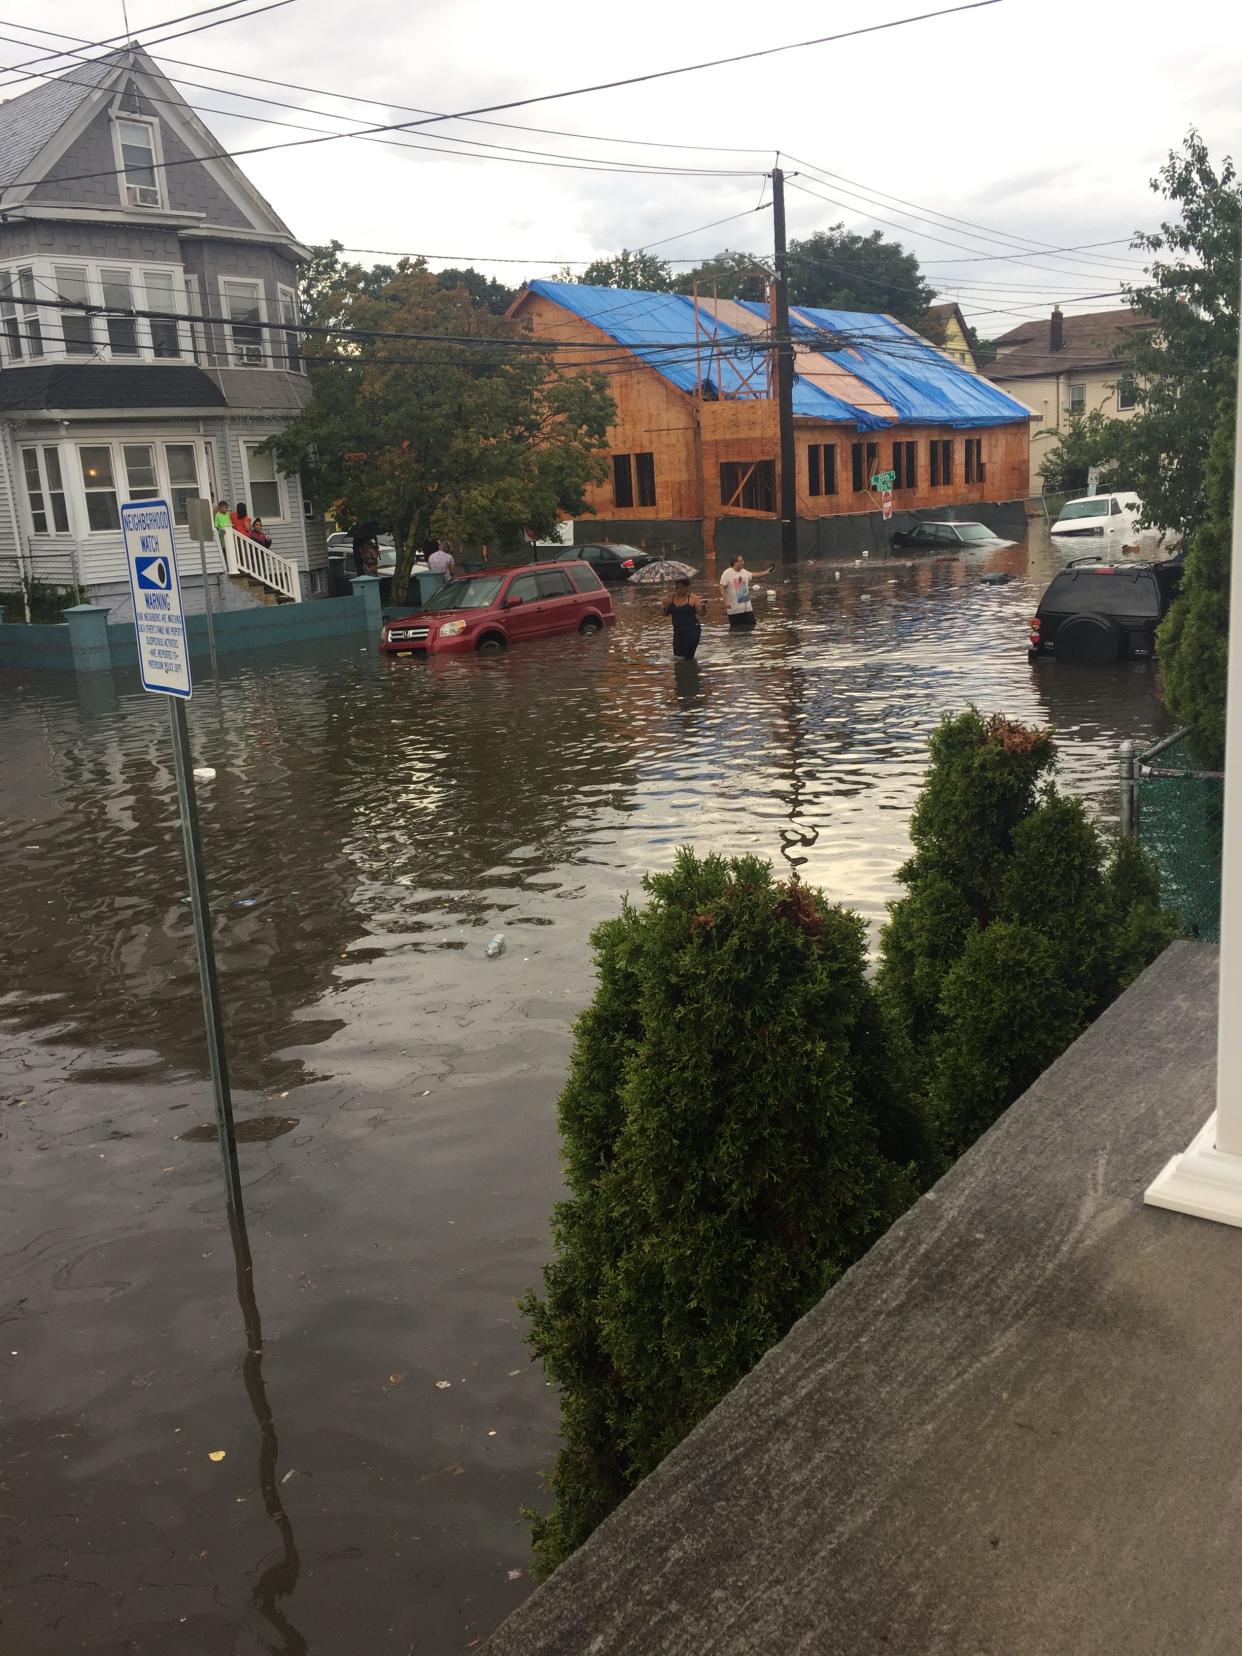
82, 386
1089, 340
29, 120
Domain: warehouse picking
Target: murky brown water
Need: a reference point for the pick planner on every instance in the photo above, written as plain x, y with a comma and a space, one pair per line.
372, 824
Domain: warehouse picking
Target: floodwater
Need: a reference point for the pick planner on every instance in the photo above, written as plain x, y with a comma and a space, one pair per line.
333, 1460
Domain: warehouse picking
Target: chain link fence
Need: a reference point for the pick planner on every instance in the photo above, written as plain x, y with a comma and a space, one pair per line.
1177, 808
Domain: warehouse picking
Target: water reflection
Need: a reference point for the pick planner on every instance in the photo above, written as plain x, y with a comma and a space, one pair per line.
371, 825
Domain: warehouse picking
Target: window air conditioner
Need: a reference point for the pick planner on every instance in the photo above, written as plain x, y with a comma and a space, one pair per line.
143, 195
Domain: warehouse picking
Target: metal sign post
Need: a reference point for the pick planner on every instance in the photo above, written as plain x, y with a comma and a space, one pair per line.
164, 664
202, 522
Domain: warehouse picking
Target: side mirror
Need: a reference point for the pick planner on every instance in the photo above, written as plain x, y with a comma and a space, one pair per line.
512, 603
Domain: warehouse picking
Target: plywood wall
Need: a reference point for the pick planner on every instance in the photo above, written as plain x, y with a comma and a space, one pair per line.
690, 441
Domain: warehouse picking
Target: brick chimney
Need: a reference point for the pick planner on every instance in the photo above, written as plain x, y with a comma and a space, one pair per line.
1056, 331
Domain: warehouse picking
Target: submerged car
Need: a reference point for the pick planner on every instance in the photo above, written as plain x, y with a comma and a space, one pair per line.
944, 535
1104, 514
491, 611
1103, 612
610, 561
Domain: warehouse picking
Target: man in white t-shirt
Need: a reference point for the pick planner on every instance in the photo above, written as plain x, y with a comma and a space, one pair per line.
735, 588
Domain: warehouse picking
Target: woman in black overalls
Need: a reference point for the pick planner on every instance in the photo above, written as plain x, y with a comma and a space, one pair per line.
685, 611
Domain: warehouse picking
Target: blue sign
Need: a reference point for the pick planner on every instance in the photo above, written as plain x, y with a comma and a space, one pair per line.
159, 620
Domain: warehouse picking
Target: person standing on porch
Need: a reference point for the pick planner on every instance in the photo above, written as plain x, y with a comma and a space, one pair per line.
735, 588
222, 521
240, 519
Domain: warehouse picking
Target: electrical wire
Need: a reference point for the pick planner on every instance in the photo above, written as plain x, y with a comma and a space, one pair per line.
551, 97
990, 232
108, 40
382, 103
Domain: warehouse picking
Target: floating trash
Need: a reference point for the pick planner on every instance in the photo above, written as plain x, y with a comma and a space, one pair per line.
204, 773
496, 947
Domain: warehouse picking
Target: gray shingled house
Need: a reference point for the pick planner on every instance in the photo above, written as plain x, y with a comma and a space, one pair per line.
113, 194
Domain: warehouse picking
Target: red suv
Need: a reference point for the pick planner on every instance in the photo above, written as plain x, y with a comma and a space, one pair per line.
490, 612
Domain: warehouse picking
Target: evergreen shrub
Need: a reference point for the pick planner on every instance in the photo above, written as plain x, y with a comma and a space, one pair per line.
733, 1138
1021, 923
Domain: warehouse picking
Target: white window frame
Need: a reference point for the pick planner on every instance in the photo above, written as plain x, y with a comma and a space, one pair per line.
159, 441
40, 452
1131, 384
282, 489
264, 346
284, 293
1076, 385
157, 163
25, 315
43, 279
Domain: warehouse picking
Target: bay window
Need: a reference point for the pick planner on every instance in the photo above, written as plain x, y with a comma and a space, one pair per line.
118, 294
161, 289
19, 315
78, 329
136, 140
182, 478
263, 485
243, 306
141, 477
99, 484
45, 491
289, 319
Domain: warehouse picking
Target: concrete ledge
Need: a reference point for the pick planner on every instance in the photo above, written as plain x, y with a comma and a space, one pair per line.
1011, 1430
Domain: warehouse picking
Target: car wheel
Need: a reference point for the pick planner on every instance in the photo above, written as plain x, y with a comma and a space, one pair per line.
491, 645
1090, 639
591, 624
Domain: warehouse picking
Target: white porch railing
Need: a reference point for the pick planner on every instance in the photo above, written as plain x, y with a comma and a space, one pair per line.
243, 556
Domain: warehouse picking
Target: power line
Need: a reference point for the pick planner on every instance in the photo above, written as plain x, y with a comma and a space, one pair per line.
108, 40
944, 242
551, 97
555, 159
990, 232
379, 103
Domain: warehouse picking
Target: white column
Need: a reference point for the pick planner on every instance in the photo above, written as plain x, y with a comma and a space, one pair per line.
1206, 1179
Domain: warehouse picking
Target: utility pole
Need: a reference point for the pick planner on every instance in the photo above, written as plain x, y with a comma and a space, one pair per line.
787, 498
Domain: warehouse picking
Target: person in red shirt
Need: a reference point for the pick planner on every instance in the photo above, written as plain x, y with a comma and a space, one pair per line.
241, 519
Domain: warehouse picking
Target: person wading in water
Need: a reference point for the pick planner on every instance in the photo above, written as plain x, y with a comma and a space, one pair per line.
686, 611
735, 588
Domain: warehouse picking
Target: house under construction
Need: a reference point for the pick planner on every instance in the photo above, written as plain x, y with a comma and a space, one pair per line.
693, 452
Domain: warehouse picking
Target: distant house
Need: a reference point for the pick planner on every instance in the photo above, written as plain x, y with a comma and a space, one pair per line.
948, 329
115, 201
1067, 365
693, 454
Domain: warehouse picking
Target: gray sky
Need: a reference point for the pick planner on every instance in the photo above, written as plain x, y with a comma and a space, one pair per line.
1040, 120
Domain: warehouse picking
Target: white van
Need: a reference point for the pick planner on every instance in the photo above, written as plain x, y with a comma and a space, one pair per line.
1102, 514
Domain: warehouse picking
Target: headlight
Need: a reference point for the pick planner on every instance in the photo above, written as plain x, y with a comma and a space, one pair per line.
383, 635
451, 629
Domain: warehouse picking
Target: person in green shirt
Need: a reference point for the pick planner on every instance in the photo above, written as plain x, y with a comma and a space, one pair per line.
222, 520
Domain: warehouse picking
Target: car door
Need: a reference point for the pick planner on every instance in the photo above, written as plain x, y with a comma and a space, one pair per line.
522, 617
559, 605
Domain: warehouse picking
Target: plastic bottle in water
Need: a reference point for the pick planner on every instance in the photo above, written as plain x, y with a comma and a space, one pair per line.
496, 947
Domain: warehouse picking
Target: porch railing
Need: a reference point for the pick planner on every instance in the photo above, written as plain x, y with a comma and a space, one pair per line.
243, 556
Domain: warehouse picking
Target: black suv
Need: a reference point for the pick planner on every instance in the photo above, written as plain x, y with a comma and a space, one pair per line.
1102, 612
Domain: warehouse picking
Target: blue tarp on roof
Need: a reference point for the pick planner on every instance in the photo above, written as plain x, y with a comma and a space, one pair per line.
924, 387
649, 323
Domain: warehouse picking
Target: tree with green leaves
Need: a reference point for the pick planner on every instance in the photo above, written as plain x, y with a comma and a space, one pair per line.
729, 276
446, 421
839, 269
1020, 924
1194, 640
1090, 439
1186, 366
733, 1139
628, 269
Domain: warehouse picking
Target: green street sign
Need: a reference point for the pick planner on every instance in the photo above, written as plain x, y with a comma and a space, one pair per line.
883, 480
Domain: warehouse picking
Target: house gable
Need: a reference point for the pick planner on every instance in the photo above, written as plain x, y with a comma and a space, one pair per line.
75, 171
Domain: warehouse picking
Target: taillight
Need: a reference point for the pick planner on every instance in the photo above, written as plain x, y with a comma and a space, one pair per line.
627, 563
1035, 641
1035, 623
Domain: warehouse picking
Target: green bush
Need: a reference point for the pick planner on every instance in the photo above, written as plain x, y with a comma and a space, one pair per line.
1194, 640
733, 1138
1020, 925
47, 602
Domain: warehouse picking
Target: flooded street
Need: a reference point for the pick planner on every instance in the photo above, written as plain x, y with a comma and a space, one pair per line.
371, 825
